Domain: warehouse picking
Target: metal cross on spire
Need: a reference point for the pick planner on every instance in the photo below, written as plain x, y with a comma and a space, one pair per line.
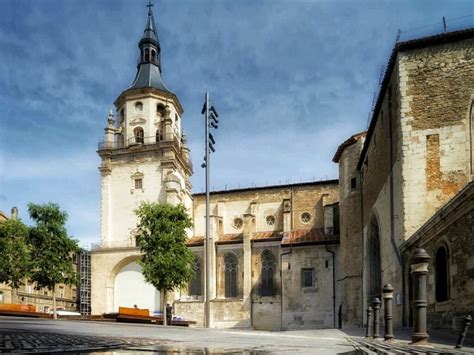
150, 5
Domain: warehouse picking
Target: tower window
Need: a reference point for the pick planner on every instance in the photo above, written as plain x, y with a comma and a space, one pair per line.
153, 54
160, 110
139, 135
147, 54
353, 183
138, 106
138, 183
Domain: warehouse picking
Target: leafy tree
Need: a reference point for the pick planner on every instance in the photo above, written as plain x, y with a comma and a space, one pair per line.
167, 263
51, 249
15, 254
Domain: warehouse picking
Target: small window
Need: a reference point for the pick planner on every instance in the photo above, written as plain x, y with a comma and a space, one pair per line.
353, 183
1, 296
138, 106
238, 223
307, 278
160, 110
46, 309
153, 54
270, 220
138, 183
306, 217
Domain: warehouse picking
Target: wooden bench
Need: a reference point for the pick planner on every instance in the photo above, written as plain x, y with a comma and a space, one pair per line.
21, 310
137, 315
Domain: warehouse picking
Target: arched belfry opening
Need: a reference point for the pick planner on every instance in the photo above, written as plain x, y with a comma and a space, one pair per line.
375, 268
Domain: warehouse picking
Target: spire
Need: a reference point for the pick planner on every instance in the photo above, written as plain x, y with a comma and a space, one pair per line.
149, 63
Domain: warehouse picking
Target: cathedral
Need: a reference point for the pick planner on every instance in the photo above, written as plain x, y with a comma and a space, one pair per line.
307, 255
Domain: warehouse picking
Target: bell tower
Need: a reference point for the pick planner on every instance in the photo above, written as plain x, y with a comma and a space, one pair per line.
144, 154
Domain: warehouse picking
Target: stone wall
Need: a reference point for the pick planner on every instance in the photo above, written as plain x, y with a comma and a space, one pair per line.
452, 227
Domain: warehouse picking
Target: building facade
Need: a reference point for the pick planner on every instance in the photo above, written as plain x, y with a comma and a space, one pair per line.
415, 158
273, 257
144, 157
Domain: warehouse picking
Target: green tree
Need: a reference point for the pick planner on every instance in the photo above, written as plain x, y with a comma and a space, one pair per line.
15, 255
167, 263
51, 249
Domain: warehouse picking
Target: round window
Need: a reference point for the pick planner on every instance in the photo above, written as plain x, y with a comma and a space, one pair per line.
238, 223
270, 220
306, 217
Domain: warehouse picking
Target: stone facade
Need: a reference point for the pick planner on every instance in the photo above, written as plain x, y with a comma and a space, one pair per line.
416, 157
274, 235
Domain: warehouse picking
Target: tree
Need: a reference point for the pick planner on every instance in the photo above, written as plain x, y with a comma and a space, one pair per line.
51, 249
15, 254
167, 263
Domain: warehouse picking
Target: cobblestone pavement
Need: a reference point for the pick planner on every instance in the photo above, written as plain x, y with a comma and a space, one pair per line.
44, 342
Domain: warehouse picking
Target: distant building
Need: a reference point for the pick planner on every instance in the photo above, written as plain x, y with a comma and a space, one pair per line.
66, 295
409, 180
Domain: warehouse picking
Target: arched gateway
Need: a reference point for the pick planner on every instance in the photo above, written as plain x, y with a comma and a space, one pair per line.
154, 170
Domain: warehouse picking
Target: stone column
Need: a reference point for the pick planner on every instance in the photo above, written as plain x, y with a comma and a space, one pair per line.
109, 135
376, 306
286, 215
419, 270
105, 208
388, 312
248, 230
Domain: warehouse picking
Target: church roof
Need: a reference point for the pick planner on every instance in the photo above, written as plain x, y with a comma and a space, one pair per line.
149, 75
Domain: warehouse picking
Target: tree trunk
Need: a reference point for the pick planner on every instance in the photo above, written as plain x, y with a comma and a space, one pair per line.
165, 318
55, 314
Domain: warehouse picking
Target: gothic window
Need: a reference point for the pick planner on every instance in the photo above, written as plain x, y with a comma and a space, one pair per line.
238, 223
138, 106
195, 285
270, 220
267, 286
375, 269
138, 133
306, 217
441, 274
230, 275
307, 278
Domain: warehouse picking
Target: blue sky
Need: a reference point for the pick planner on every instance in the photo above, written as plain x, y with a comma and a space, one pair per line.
291, 80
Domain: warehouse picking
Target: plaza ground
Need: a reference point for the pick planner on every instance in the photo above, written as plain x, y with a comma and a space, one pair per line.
23, 335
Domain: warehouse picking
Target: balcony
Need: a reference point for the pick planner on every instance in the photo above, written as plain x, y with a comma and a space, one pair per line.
140, 141
116, 244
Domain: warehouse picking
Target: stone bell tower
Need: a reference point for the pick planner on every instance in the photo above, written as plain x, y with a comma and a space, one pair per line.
144, 157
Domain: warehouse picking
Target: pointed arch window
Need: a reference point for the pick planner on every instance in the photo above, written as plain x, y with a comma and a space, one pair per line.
267, 274
195, 285
139, 135
230, 275
442, 274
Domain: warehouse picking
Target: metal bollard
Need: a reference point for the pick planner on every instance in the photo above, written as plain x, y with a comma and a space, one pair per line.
368, 333
376, 304
462, 336
419, 262
388, 314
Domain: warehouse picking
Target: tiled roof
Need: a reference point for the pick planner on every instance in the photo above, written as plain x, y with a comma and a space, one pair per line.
308, 236
348, 142
230, 238
195, 241
267, 236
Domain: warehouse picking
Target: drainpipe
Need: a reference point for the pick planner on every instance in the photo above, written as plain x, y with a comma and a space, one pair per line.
333, 284
281, 278
363, 249
392, 223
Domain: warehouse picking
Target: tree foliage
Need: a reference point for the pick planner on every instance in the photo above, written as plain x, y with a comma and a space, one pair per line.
14, 253
167, 263
51, 248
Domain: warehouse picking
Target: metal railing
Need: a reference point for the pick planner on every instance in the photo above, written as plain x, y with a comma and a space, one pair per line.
138, 140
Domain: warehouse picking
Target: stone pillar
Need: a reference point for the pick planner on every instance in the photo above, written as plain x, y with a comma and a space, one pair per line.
105, 209
376, 306
388, 311
168, 125
286, 215
368, 333
419, 270
109, 136
248, 230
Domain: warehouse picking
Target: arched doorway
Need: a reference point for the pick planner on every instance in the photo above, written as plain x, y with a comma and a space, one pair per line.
375, 269
131, 289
